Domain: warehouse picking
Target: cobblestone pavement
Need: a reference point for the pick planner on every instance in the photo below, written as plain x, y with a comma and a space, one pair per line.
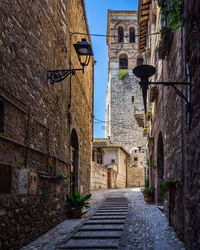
146, 226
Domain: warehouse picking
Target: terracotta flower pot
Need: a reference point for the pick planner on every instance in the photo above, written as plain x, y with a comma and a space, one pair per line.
75, 213
149, 199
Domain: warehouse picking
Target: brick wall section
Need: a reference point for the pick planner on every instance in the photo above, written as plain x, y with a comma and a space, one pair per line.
34, 38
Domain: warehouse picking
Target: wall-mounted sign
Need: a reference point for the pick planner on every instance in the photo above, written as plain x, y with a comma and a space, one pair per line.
33, 183
23, 181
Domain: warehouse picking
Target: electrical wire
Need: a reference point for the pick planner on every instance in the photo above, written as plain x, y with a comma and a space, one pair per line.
102, 35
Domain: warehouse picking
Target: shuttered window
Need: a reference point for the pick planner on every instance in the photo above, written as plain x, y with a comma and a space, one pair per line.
5, 178
1, 116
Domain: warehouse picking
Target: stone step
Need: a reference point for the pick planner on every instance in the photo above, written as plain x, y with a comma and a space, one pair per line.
89, 247
116, 203
114, 222
112, 205
100, 229
108, 218
98, 234
91, 243
85, 237
110, 211
94, 226
111, 214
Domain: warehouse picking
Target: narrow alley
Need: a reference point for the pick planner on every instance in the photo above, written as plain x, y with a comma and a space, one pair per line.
139, 226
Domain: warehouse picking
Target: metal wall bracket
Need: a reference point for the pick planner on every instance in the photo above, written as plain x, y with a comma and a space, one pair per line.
60, 75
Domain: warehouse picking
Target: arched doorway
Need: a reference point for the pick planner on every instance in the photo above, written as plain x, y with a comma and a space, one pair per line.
160, 157
74, 162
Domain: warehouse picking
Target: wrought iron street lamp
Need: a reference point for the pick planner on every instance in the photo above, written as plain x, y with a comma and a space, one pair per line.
144, 72
84, 52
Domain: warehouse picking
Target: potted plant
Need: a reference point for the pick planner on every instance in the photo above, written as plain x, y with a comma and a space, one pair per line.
163, 188
77, 203
149, 194
148, 52
166, 37
145, 130
57, 178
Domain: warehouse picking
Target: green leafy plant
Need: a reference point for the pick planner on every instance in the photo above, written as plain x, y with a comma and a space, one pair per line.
163, 188
78, 201
146, 183
172, 10
149, 191
61, 176
122, 75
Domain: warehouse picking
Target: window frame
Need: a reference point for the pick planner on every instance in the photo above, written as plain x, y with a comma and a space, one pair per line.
123, 61
120, 34
132, 35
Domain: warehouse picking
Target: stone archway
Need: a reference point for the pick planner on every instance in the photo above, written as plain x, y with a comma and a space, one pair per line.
74, 162
160, 157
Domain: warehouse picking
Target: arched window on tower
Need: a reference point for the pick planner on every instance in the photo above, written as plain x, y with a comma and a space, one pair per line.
123, 61
120, 34
132, 35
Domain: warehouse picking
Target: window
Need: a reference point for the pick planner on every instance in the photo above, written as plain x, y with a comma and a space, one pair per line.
135, 159
123, 61
112, 160
99, 157
5, 178
1, 116
93, 156
120, 35
132, 35
132, 99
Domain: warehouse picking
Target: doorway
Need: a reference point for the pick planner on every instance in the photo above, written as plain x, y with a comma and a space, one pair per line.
160, 158
74, 162
109, 180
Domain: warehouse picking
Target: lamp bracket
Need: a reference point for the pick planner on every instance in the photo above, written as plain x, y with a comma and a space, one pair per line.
171, 84
60, 75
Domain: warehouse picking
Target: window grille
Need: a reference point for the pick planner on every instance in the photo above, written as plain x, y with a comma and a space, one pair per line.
132, 35
120, 35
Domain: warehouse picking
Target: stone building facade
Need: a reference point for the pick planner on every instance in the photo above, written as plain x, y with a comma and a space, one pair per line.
123, 97
45, 130
109, 165
174, 127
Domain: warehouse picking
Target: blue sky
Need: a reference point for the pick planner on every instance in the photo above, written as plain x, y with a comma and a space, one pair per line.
97, 19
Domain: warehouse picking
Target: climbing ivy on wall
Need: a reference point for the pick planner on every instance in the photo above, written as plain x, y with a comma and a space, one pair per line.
171, 11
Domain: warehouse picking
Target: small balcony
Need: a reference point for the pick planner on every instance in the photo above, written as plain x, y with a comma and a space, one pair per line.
139, 116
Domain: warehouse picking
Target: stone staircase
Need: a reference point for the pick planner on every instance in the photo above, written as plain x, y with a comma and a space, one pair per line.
103, 230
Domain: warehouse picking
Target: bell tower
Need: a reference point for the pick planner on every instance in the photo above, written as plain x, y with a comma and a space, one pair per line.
123, 96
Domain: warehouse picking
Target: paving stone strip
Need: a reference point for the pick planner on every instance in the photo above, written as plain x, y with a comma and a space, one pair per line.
103, 229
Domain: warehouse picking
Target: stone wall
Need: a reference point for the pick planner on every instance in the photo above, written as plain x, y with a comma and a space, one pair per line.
35, 132
192, 170
171, 120
99, 175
